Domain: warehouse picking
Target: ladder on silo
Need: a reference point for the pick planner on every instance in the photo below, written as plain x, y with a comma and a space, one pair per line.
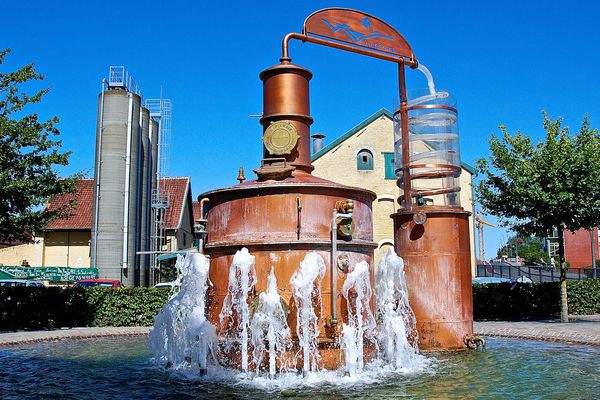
160, 203
160, 111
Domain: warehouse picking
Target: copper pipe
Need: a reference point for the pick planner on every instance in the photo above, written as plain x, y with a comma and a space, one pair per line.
429, 106
202, 205
285, 57
449, 166
439, 171
405, 138
432, 192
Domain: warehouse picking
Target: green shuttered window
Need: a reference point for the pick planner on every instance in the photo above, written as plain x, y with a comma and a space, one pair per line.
390, 168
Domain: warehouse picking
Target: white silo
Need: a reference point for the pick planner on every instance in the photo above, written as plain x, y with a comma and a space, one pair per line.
117, 138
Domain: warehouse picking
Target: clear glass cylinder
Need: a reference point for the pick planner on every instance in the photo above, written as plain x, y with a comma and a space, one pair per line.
433, 143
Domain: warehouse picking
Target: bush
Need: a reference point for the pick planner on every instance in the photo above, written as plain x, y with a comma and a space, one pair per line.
50, 308
584, 297
506, 301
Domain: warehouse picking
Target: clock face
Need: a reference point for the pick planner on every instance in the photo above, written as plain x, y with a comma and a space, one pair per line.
280, 137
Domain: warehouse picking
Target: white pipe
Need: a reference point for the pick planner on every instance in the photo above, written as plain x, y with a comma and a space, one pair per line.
429, 77
126, 189
98, 166
159, 152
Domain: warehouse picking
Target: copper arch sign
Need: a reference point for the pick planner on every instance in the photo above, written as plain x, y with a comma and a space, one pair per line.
357, 29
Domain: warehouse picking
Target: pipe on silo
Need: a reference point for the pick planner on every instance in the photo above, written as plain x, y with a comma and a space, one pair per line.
143, 192
124, 259
140, 194
149, 178
154, 133
98, 170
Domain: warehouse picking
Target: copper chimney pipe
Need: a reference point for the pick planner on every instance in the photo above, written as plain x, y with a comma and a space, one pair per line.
286, 117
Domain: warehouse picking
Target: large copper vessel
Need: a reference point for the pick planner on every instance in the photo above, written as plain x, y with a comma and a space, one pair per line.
437, 261
286, 213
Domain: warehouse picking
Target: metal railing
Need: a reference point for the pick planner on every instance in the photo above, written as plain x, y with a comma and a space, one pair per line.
533, 272
119, 77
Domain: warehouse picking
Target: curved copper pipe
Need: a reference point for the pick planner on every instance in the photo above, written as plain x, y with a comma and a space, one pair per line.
285, 55
432, 106
202, 205
432, 192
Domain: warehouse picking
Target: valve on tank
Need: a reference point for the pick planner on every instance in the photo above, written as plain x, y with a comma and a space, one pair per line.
343, 219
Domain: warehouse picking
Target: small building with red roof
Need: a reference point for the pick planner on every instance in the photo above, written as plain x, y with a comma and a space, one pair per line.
66, 242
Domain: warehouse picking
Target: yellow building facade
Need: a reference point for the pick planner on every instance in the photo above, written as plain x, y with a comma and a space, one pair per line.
364, 157
53, 249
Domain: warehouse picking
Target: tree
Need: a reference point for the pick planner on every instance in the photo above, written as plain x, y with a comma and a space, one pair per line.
28, 157
530, 248
535, 187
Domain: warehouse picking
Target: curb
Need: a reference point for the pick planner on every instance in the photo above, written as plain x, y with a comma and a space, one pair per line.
59, 337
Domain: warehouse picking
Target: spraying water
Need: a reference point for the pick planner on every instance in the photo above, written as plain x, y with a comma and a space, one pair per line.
235, 314
361, 323
306, 289
398, 339
269, 325
182, 337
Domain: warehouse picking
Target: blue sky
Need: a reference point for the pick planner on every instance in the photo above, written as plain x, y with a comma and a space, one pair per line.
505, 62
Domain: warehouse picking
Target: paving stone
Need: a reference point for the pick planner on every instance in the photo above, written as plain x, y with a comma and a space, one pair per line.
583, 329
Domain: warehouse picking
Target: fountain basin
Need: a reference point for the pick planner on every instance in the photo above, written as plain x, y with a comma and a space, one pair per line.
120, 368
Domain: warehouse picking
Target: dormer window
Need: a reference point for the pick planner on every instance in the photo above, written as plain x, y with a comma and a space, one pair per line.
364, 160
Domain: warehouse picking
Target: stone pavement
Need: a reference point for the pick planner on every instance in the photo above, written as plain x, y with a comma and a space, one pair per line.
20, 337
583, 329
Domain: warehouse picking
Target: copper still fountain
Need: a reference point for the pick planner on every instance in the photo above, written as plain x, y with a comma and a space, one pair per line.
286, 212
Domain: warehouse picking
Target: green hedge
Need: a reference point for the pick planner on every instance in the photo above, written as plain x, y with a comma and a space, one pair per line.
50, 308
506, 301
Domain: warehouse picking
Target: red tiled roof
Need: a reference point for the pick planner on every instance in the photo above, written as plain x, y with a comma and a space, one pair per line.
177, 190
81, 213
196, 208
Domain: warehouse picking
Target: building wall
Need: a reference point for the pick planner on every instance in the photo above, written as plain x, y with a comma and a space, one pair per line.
67, 249
54, 249
467, 201
14, 255
340, 165
186, 228
578, 248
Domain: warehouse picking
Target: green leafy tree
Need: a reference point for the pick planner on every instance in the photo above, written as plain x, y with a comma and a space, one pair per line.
530, 248
534, 187
29, 155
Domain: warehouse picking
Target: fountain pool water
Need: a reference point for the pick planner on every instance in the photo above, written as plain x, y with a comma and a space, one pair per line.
120, 368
